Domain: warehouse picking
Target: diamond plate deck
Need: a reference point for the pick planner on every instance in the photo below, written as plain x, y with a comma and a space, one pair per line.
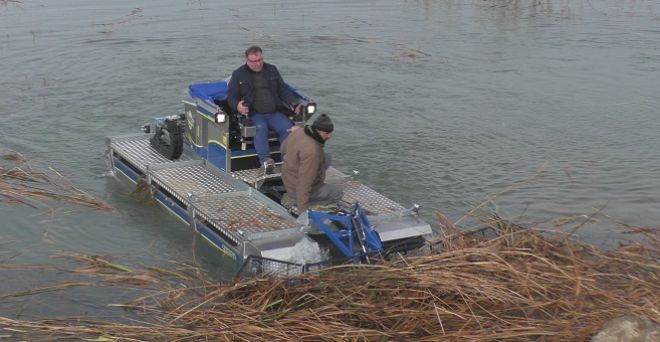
244, 213
217, 198
373, 202
195, 180
252, 176
137, 150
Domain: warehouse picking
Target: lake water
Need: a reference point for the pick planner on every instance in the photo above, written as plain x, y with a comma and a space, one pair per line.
549, 109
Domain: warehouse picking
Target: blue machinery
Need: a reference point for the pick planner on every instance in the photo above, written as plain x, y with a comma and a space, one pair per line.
350, 226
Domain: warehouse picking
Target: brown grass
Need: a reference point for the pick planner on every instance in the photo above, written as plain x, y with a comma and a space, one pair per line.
519, 285
20, 183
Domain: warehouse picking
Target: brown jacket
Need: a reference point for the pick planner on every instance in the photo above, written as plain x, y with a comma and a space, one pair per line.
304, 166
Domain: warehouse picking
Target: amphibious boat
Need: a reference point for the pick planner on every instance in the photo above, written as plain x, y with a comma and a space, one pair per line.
201, 166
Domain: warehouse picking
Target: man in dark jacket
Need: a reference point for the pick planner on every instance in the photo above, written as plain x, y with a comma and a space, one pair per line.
303, 171
256, 90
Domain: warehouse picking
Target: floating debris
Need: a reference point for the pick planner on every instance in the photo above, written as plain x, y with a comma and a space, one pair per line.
142, 191
20, 183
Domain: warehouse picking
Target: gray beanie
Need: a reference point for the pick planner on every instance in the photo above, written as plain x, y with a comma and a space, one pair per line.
323, 123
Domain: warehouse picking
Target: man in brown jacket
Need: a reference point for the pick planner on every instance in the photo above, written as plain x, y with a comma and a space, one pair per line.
303, 171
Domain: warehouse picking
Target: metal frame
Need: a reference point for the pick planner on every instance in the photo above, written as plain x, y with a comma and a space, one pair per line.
357, 229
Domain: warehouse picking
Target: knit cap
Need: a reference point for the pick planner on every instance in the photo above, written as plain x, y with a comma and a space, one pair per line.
323, 123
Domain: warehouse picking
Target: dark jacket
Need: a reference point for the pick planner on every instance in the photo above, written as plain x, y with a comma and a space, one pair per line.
241, 87
304, 166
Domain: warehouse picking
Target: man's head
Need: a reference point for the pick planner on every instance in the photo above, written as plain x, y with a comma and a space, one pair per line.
254, 58
323, 125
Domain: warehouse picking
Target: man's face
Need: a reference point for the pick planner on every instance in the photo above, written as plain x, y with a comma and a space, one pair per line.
255, 61
325, 135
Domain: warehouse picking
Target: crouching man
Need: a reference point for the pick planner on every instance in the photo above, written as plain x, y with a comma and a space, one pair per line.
303, 171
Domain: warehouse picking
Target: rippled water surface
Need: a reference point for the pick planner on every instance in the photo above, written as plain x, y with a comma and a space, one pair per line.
550, 110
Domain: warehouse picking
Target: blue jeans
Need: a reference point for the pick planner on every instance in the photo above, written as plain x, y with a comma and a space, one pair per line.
263, 123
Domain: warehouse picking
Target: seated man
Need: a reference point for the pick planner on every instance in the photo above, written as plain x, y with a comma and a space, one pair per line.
303, 171
256, 90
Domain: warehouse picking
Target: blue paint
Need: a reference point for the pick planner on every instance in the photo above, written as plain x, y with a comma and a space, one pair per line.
344, 238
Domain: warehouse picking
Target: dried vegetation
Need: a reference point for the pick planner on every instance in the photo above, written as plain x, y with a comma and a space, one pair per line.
20, 183
516, 285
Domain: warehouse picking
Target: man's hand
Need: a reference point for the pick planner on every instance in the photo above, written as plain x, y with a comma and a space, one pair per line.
297, 109
242, 108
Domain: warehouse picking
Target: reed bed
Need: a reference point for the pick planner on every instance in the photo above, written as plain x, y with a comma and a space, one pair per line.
20, 183
517, 285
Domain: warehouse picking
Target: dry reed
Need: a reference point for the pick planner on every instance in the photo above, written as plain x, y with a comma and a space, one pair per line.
20, 183
519, 285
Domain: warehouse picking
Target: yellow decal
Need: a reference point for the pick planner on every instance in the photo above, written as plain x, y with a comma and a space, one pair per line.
228, 252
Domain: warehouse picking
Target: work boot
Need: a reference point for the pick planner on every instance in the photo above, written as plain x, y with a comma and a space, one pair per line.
288, 201
268, 165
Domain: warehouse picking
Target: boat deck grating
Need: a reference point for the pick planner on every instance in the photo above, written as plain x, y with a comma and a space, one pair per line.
373, 202
220, 200
244, 213
252, 176
193, 179
138, 151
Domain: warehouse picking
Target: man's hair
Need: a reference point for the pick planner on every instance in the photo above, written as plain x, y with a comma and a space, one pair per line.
252, 50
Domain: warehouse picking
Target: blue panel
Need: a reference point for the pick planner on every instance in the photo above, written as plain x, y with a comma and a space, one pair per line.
217, 155
208, 233
175, 208
203, 111
125, 169
209, 91
237, 152
200, 151
217, 241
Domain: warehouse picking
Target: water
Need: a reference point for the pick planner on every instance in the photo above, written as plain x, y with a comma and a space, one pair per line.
551, 110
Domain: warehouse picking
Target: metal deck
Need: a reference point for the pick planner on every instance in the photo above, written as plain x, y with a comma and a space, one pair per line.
255, 177
373, 202
192, 177
210, 195
137, 150
233, 205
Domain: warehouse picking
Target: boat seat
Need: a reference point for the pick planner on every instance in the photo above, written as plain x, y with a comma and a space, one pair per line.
216, 92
